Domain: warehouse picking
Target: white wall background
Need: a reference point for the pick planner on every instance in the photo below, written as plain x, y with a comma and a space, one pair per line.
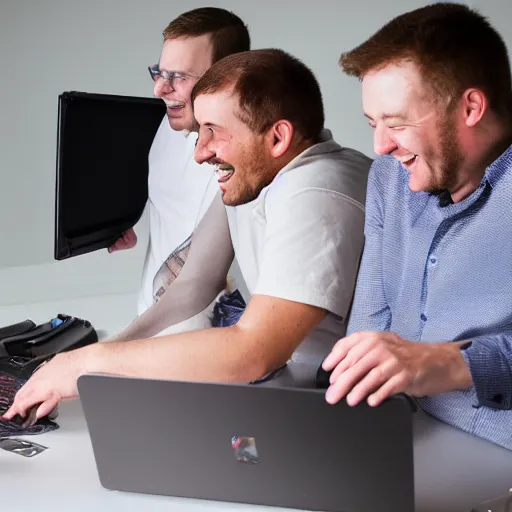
50, 46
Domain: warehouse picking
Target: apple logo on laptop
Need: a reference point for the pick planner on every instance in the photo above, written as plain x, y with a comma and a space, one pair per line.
245, 449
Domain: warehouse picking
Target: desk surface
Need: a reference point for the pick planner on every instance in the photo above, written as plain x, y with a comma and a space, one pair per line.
453, 470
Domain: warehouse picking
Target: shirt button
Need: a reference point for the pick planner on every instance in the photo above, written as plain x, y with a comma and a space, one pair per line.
423, 317
433, 260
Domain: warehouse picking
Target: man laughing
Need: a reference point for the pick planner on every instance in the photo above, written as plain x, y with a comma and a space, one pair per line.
294, 201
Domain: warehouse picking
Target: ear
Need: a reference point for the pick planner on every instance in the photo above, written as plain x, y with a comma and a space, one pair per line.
475, 106
280, 137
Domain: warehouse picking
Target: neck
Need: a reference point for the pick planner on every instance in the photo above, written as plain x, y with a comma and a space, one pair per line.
496, 150
477, 169
296, 149
193, 129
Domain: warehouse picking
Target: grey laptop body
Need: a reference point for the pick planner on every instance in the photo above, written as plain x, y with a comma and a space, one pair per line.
283, 447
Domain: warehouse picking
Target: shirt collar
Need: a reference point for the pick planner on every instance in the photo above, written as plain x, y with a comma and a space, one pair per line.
501, 166
493, 174
325, 145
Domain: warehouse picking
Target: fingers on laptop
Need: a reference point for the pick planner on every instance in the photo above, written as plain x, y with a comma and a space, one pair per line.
365, 366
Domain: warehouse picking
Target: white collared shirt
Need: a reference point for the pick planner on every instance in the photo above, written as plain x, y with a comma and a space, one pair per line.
302, 238
180, 192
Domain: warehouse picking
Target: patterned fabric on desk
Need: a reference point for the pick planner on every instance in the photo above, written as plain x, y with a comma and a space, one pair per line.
11, 380
228, 309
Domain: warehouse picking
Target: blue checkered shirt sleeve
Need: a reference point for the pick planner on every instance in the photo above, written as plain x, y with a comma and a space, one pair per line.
370, 310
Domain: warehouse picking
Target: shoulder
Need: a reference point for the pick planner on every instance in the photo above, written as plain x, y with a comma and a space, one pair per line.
324, 170
386, 174
384, 167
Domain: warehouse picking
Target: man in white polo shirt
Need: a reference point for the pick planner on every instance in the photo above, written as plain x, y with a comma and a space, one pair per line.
294, 199
180, 190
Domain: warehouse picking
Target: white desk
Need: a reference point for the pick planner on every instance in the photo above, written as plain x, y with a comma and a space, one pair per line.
453, 470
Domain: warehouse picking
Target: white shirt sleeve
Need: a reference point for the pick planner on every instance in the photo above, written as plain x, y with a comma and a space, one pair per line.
312, 248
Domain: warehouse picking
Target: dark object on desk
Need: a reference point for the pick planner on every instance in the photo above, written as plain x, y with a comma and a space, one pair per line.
16, 329
9, 386
23, 348
103, 143
21, 447
33, 344
503, 504
304, 453
322, 378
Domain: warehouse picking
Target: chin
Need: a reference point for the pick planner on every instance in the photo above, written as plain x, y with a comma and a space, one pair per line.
416, 185
233, 195
230, 201
178, 124
236, 199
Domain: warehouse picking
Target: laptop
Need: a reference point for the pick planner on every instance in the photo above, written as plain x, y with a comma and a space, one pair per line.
103, 143
282, 447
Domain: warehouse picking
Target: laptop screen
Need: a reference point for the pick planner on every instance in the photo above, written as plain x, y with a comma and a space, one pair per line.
103, 142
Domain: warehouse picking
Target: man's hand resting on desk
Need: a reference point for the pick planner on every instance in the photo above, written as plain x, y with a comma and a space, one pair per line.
376, 365
50, 384
127, 241
262, 341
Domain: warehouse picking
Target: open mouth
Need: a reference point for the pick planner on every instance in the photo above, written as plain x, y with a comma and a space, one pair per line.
175, 105
224, 172
408, 160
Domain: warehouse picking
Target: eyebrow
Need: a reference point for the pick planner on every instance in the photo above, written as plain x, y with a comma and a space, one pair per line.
386, 117
189, 73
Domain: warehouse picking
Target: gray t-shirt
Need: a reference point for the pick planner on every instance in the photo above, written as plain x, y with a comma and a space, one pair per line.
302, 238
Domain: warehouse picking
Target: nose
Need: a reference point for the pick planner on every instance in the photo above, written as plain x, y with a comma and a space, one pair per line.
383, 143
203, 151
161, 88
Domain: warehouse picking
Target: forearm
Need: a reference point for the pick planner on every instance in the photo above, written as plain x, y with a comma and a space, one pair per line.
179, 303
490, 361
201, 279
263, 340
217, 355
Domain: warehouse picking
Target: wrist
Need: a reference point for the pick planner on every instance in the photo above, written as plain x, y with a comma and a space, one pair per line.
92, 358
459, 369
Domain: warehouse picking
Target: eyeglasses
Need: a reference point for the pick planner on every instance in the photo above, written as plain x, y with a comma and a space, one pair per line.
175, 79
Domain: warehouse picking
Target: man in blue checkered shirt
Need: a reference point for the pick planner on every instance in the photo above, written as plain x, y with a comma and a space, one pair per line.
432, 313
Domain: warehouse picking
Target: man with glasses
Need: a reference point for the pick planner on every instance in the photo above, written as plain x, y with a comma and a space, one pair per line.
180, 190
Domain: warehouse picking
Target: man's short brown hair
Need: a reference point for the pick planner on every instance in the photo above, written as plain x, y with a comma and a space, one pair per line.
271, 85
228, 32
454, 47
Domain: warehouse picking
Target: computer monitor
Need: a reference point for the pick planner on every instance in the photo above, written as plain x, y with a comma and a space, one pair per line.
103, 142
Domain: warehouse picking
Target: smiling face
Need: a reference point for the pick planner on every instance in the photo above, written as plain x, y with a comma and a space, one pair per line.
410, 127
191, 57
243, 159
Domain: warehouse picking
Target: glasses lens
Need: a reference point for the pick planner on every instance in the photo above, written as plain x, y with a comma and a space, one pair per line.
154, 72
